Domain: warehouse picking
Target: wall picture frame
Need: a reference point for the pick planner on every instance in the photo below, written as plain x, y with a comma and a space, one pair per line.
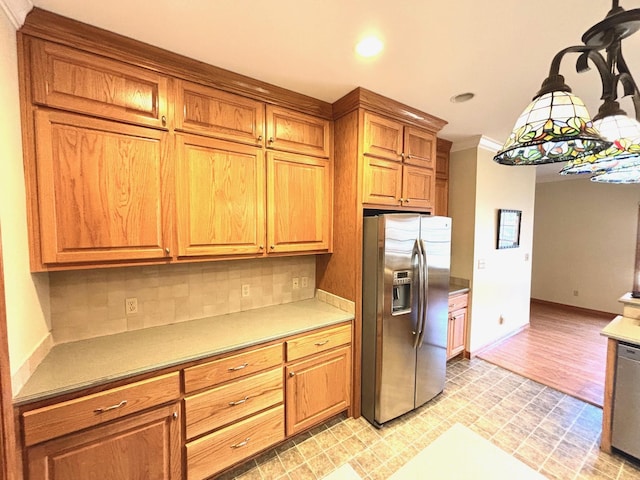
508, 228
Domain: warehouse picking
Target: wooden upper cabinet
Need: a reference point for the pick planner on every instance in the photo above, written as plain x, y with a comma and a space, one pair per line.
101, 189
299, 203
207, 111
418, 187
383, 137
297, 132
220, 197
419, 147
65, 78
399, 164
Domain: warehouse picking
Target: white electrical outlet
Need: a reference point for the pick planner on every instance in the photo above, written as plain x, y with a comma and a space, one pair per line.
131, 305
295, 283
305, 282
575, 293
246, 290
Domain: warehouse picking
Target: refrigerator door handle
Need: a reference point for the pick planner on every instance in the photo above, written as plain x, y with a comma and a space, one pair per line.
425, 296
421, 296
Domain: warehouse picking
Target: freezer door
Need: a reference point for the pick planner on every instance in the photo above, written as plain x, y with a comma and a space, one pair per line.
431, 361
396, 358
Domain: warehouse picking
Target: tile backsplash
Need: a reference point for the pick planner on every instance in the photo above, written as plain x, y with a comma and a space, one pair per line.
91, 303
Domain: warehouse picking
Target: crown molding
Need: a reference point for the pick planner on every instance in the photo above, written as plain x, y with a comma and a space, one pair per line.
477, 141
16, 11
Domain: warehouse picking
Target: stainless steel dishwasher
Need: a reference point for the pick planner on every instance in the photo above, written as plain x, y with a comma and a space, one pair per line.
625, 435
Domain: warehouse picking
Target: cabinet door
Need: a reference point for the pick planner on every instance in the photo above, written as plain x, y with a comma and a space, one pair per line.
382, 137
296, 132
382, 183
418, 187
299, 203
141, 447
219, 197
101, 189
419, 147
442, 197
214, 113
317, 389
69, 79
457, 332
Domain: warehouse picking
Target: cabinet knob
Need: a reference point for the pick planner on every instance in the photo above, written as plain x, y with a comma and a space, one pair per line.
167, 251
409, 157
164, 121
175, 415
406, 200
402, 155
272, 247
271, 140
260, 139
401, 201
261, 247
292, 374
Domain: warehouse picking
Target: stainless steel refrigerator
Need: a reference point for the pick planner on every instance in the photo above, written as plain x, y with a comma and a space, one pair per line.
405, 288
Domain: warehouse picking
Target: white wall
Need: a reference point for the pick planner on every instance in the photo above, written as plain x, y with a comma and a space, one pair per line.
478, 189
27, 295
585, 240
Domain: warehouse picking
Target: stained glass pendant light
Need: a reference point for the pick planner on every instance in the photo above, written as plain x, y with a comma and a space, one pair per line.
624, 152
555, 127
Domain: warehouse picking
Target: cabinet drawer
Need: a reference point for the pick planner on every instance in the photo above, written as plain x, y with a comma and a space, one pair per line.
229, 368
458, 301
69, 79
318, 342
222, 405
62, 418
230, 445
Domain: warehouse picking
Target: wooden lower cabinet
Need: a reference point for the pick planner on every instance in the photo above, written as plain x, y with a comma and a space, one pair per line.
457, 331
145, 446
317, 389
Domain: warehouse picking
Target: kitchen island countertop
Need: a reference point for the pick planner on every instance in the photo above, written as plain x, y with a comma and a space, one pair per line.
73, 366
623, 329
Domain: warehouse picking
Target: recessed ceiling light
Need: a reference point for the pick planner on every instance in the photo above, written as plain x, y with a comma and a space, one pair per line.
462, 97
369, 47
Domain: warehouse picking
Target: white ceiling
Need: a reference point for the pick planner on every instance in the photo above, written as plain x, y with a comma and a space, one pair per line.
498, 49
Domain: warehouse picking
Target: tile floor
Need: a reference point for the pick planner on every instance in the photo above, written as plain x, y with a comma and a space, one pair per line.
555, 434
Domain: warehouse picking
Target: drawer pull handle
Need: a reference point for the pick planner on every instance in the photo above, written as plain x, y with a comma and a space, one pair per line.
241, 444
239, 402
112, 407
319, 344
239, 367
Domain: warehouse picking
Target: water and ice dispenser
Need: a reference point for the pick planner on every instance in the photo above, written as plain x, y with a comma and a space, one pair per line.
401, 298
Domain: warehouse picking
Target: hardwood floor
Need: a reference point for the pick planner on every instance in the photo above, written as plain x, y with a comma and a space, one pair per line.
562, 349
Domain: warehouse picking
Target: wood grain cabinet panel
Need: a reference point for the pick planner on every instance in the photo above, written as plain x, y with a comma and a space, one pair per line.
442, 177
69, 79
102, 189
231, 367
207, 111
399, 164
418, 187
317, 388
223, 448
299, 203
141, 447
219, 197
297, 132
318, 342
223, 405
383, 137
457, 330
88, 411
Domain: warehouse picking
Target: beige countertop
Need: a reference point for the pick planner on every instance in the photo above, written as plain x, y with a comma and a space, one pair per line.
72, 366
457, 288
624, 329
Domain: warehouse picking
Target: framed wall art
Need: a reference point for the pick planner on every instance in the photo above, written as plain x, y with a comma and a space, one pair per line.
509, 228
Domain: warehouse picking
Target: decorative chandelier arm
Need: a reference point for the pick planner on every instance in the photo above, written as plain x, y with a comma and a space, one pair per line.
628, 84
